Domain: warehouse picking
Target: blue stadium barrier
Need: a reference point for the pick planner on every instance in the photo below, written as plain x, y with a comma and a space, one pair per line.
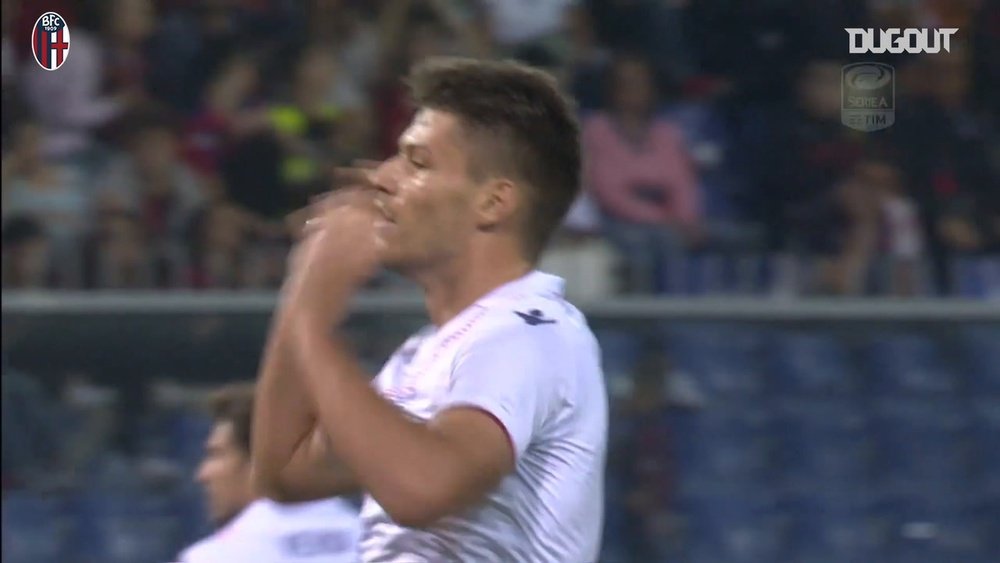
620, 351
904, 364
35, 528
982, 359
923, 443
986, 436
134, 527
834, 528
931, 528
715, 447
808, 365
723, 359
822, 446
733, 527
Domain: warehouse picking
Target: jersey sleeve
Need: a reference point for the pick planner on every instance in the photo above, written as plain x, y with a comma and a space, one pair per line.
510, 373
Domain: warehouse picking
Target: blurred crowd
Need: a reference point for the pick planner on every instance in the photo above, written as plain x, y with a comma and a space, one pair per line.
179, 136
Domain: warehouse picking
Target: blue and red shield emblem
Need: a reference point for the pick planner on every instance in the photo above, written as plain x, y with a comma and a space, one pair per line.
50, 41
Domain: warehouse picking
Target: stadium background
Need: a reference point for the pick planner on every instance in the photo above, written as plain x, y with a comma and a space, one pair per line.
803, 350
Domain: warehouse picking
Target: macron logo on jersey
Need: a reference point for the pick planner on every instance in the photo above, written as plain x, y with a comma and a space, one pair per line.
534, 317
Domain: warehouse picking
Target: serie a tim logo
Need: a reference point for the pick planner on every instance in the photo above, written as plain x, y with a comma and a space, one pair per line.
868, 96
50, 41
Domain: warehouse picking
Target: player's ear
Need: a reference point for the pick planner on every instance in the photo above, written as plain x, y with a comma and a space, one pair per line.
497, 202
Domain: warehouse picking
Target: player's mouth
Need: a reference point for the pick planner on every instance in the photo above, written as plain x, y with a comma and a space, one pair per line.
384, 211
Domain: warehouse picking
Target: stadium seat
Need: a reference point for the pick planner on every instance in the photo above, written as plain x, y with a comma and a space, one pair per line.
722, 274
188, 431
188, 506
620, 350
35, 528
986, 433
976, 277
906, 364
702, 274
922, 443
982, 358
734, 527
929, 528
717, 448
127, 528
808, 365
985, 509
822, 446
723, 359
833, 528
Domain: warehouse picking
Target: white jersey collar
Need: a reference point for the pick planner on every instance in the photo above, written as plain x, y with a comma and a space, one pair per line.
534, 282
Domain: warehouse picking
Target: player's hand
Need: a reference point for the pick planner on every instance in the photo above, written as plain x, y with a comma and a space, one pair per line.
337, 254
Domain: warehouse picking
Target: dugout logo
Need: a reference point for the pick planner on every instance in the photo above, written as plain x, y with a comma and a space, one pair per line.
895, 40
50, 41
868, 96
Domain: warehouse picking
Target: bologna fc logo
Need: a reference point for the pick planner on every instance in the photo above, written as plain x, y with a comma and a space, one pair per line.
50, 41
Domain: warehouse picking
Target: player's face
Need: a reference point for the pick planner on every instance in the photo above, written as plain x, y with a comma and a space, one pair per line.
633, 87
426, 195
224, 474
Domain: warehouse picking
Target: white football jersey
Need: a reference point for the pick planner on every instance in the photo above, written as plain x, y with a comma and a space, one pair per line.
527, 358
324, 531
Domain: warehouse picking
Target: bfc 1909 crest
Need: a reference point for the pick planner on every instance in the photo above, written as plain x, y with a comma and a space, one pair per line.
50, 41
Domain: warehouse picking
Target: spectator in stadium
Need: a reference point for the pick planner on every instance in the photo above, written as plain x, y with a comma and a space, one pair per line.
26, 254
654, 29
221, 248
194, 40
841, 229
72, 104
152, 182
306, 122
587, 60
640, 174
346, 29
228, 112
253, 529
866, 232
116, 254
50, 193
901, 237
517, 24
410, 32
13, 103
944, 141
277, 171
794, 156
129, 24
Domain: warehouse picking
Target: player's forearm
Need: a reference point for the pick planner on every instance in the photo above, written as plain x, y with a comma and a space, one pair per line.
402, 463
283, 417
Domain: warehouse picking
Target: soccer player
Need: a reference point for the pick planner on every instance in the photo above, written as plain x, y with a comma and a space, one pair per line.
258, 530
484, 436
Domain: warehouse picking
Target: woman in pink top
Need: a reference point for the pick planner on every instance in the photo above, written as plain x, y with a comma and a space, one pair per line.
637, 169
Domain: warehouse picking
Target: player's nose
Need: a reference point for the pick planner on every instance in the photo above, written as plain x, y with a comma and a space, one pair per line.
385, 177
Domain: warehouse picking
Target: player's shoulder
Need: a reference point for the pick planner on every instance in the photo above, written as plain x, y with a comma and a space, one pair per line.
206, 550
544, 321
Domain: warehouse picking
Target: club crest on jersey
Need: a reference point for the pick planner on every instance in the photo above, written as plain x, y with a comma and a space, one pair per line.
50, 41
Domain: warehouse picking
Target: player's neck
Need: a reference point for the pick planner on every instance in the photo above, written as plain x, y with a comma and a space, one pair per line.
455, 286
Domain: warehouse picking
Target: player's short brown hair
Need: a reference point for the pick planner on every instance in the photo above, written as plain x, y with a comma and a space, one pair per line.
522, 128
233, 403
